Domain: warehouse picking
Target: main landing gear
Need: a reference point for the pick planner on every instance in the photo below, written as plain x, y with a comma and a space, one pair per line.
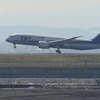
58, 51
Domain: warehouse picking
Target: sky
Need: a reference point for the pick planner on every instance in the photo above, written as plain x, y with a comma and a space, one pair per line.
51, 13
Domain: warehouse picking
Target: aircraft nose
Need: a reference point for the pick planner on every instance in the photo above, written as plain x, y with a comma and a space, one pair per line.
7, 40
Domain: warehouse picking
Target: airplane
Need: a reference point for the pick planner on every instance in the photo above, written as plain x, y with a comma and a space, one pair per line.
45, 42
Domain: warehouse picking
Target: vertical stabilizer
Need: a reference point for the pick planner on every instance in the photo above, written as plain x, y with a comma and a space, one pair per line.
96, 39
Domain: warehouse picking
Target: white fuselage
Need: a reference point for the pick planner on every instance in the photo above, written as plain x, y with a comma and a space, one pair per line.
30, 39
35, 40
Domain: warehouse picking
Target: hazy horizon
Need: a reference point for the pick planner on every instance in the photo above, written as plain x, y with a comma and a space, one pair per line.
69, 32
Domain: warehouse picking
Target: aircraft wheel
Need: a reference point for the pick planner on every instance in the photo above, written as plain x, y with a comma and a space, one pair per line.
58, 51
14, 46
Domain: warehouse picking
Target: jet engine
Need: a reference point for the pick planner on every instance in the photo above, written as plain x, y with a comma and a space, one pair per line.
44, 45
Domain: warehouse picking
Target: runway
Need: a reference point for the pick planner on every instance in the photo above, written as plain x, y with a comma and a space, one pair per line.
49, 72
59, 77
49, 94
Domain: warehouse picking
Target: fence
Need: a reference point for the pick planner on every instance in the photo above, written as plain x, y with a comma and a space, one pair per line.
67, 63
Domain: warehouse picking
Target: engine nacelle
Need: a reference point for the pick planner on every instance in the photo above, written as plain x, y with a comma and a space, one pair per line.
44, 45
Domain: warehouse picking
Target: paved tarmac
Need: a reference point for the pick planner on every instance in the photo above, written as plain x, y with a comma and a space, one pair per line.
11, 66
49, 94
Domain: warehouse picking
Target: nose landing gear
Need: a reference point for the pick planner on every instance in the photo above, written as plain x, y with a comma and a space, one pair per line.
14, 45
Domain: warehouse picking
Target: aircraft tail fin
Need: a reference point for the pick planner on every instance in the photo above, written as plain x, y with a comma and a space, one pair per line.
97, 38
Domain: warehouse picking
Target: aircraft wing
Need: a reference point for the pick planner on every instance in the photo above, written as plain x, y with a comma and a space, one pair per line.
65, 40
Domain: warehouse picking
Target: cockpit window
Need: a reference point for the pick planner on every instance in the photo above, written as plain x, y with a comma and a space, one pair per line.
10, 36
